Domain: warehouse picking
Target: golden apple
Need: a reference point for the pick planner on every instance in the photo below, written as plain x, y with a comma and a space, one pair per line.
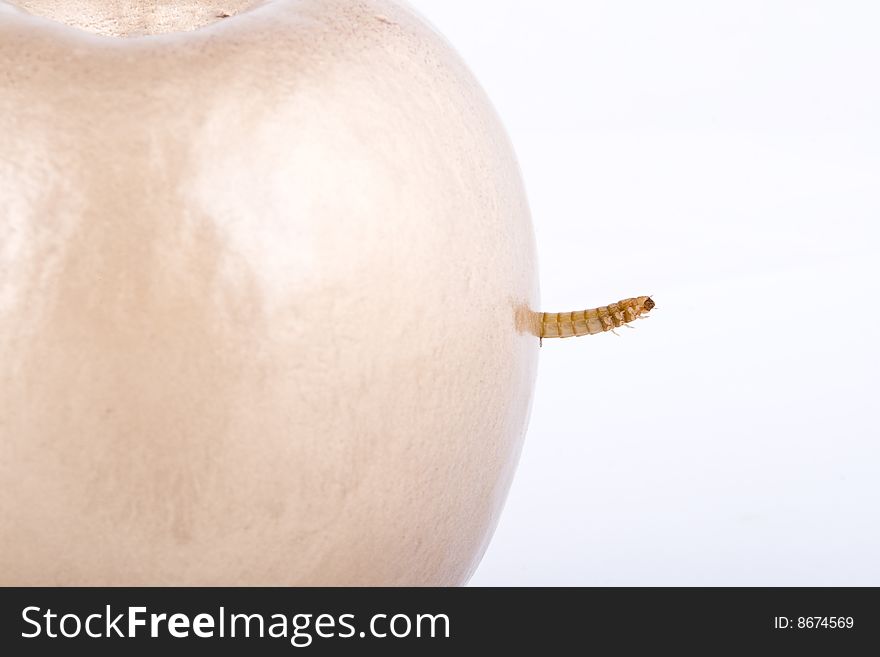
266, 273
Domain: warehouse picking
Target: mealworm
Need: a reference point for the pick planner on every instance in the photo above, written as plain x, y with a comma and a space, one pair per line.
596, 320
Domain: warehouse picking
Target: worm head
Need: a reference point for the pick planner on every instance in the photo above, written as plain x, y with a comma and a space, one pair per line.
647, 304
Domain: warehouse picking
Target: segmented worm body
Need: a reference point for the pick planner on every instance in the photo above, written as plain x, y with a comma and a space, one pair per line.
596, 320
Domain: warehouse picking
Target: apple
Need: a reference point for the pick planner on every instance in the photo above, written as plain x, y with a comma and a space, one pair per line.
267, 275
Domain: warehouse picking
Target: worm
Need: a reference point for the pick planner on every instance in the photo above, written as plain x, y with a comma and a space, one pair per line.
596, 320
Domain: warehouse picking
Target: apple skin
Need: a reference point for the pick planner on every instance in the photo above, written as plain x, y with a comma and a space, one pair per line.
265, 303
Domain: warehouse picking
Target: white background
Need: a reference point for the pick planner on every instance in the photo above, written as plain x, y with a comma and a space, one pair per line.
725, 158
